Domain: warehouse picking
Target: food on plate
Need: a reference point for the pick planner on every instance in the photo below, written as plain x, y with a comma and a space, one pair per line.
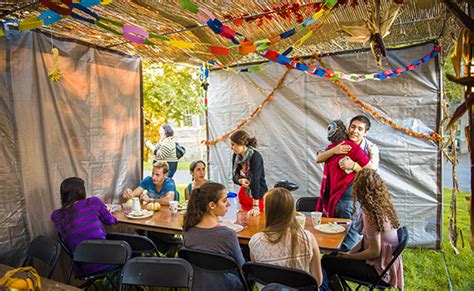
153, 206
330, 228
141, 212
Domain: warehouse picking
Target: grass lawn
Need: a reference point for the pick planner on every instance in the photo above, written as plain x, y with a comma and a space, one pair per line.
182, 165
436, 270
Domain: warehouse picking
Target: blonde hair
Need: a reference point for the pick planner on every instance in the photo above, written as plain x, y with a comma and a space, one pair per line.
280, 214
161, 165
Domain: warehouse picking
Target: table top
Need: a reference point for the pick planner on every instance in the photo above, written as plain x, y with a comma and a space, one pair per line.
46, 284
165, 222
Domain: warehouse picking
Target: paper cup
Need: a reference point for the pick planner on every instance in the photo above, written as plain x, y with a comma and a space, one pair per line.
316, 217
174, 206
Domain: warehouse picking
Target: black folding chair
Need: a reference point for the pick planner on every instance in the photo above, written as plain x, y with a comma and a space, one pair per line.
141, 245
45, 250
266, 274
402, 233
157, 272
306, 204
212, 262
103, 252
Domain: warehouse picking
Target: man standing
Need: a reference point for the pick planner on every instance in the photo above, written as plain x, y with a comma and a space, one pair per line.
358, 129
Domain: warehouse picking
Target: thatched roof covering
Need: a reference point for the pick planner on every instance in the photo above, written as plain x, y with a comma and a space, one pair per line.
420, 20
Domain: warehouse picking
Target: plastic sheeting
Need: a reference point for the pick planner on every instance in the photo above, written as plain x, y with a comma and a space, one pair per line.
291, 128
87, 125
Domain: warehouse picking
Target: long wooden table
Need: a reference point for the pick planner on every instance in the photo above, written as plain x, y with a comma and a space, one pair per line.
165, 222
46, 284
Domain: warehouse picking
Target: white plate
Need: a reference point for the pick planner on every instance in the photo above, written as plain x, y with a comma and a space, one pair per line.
233, 226
146, 214
330, 228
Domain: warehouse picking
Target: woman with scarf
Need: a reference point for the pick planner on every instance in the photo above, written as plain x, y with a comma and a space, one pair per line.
248, 172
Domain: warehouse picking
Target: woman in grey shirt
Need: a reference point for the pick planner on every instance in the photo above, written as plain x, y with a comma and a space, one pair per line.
202, 231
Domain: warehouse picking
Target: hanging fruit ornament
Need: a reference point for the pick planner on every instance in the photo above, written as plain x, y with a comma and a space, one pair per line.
55, 75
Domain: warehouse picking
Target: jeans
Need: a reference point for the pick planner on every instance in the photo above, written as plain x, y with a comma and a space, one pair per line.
173, 166
344, 210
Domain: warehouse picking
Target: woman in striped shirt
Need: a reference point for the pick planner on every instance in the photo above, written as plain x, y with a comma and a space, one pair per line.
80, 219
166, 149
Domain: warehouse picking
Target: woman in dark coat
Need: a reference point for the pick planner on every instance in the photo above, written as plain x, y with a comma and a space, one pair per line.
248, 172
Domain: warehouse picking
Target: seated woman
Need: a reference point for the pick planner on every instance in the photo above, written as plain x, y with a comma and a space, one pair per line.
284, 242
80, 219
202, 231
198, 172
371, 255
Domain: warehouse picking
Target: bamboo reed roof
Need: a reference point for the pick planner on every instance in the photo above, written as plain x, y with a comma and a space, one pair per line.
419, 20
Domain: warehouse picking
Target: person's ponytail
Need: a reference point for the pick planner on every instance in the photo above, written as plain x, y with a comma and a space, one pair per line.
252, 142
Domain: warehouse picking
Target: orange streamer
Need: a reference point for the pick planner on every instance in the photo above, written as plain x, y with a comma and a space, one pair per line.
434, 136
259, 108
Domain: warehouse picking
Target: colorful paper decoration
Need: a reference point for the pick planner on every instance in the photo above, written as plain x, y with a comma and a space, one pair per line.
434, 136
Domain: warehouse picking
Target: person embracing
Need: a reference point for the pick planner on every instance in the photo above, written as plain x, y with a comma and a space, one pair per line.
336, 191
248, 172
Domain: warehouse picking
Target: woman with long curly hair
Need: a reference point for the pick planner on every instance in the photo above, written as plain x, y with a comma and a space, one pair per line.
202, 231
367, 259
284, 242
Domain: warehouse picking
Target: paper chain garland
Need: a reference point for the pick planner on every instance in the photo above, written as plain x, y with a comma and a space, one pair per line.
434, 136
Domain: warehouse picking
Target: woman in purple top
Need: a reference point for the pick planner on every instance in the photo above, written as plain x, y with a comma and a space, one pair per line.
80, 219
367, 259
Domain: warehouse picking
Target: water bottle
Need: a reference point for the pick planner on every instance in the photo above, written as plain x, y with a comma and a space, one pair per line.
231, 214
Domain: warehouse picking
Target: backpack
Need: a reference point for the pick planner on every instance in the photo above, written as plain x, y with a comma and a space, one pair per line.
180, 151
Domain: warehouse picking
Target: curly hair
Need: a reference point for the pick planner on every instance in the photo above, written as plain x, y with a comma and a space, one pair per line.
199, 201
374, 198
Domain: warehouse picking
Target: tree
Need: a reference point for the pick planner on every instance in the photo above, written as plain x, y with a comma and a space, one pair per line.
169, 92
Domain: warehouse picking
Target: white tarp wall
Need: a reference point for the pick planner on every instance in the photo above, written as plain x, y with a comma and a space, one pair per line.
291, 128
87, 125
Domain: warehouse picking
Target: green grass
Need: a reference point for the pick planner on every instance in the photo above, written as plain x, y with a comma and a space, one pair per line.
182, 165
427, 270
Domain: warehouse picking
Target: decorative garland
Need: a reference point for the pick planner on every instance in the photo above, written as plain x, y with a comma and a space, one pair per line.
285, 11
256, 111
203, 76
434, 136
335, 75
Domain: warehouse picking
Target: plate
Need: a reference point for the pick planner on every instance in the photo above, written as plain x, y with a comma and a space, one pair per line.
233, 226
143, 214
330, 228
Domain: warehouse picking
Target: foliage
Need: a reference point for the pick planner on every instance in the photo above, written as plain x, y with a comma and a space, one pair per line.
169, 92
453, 92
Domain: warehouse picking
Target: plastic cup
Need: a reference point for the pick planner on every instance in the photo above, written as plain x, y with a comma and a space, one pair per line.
301, 219
316, 217
174, 206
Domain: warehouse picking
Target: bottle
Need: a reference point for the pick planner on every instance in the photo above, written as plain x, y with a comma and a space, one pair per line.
231, 214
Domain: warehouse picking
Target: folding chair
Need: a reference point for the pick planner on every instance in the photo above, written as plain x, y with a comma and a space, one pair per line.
141, 245
104, 252
212, 262
157, 272
402, 233
306, 204
266, 274
45, 250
